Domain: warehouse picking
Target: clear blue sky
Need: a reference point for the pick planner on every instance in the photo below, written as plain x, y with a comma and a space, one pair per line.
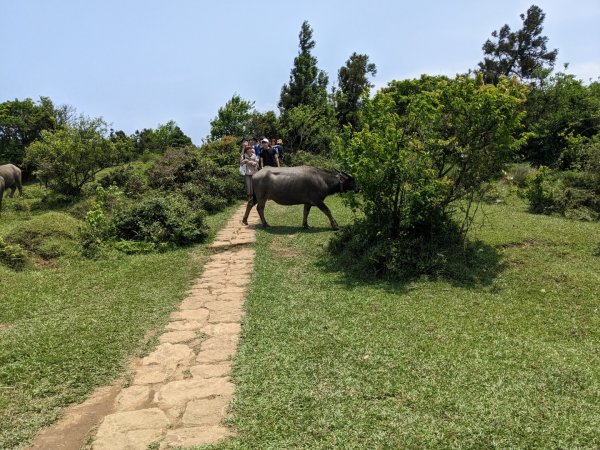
140, 63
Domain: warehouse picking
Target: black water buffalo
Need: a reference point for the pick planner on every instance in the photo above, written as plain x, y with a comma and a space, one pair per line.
11, 178
298, 185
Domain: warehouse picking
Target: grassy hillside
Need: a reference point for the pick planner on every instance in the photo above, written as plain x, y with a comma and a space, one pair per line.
68, 324
507, 360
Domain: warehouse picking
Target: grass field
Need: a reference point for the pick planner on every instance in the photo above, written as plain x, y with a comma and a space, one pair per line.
332, 360
73, 324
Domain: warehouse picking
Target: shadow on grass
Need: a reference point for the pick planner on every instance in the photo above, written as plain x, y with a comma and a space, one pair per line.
476, 269
280, 230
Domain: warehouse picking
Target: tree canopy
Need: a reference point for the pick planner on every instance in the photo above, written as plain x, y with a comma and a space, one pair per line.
353, 88
308, 84
232, 119
21, 123
522, 53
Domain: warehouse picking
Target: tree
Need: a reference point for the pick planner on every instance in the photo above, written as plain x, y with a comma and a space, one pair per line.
419, 169
21, 122
165, 136
308, 84
263, 125
353, 87
308, 128
563, 106
232, 119
71, 156
522, 53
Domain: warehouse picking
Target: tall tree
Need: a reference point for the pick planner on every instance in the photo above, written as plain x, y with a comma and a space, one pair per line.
353, 87
308, 84
21, 122
232, 119
522, 53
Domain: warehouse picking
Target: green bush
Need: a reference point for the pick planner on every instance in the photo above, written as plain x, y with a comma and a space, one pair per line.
438, 252
428, 148
12, 256
573, 194
201, 175
129, 180
160, 220
49, 235
541, 191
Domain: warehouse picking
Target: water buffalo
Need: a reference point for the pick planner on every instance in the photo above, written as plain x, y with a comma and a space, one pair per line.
295, 186
11, 176
1, 191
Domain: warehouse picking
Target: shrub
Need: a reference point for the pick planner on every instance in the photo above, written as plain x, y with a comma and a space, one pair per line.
571, 193
540, 191
164, 219
424, 157
201, 175
12, 256
129, 180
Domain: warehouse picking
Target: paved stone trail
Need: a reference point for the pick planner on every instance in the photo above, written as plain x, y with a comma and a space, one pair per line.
180, 392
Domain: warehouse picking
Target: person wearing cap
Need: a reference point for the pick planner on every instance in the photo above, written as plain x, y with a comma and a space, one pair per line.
268, 155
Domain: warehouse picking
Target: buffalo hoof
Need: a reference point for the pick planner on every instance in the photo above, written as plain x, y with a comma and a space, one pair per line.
265, 225
244, 222
305, 226
335, 228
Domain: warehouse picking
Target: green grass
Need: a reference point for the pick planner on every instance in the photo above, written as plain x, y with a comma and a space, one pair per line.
331, 360
71, 327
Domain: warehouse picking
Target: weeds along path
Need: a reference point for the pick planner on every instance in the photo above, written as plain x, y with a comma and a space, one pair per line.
179, 393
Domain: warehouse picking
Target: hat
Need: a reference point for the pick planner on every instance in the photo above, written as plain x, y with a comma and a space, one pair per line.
265, 140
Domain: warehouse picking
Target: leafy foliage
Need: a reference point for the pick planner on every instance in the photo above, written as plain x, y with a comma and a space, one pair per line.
308, 128
563, 106
522, 53
232, 119
353, 87
263, 125
206, 176
308, 84
421, 158
21, 123
69, 157
165, 136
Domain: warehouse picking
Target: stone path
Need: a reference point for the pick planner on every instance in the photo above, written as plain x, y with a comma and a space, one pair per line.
180, 392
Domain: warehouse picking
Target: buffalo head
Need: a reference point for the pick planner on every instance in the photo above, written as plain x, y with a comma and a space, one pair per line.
347, 181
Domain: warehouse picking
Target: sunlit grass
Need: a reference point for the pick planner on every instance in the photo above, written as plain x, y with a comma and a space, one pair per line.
73, 326
331, 360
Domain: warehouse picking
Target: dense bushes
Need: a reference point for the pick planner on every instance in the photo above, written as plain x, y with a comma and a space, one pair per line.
573, 194
206, 177
422, 160
135, 212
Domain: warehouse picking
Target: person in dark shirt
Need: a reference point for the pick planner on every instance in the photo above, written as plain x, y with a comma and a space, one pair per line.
268, 155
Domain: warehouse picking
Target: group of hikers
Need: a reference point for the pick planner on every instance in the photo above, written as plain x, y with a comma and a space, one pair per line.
256, 155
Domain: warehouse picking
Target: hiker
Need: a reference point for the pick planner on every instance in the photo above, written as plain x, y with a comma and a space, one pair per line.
250, 160
268, 155
279, 146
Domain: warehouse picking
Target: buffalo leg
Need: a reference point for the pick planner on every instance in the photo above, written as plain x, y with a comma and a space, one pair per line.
261, 212
12, 191
307, 207
323, 207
